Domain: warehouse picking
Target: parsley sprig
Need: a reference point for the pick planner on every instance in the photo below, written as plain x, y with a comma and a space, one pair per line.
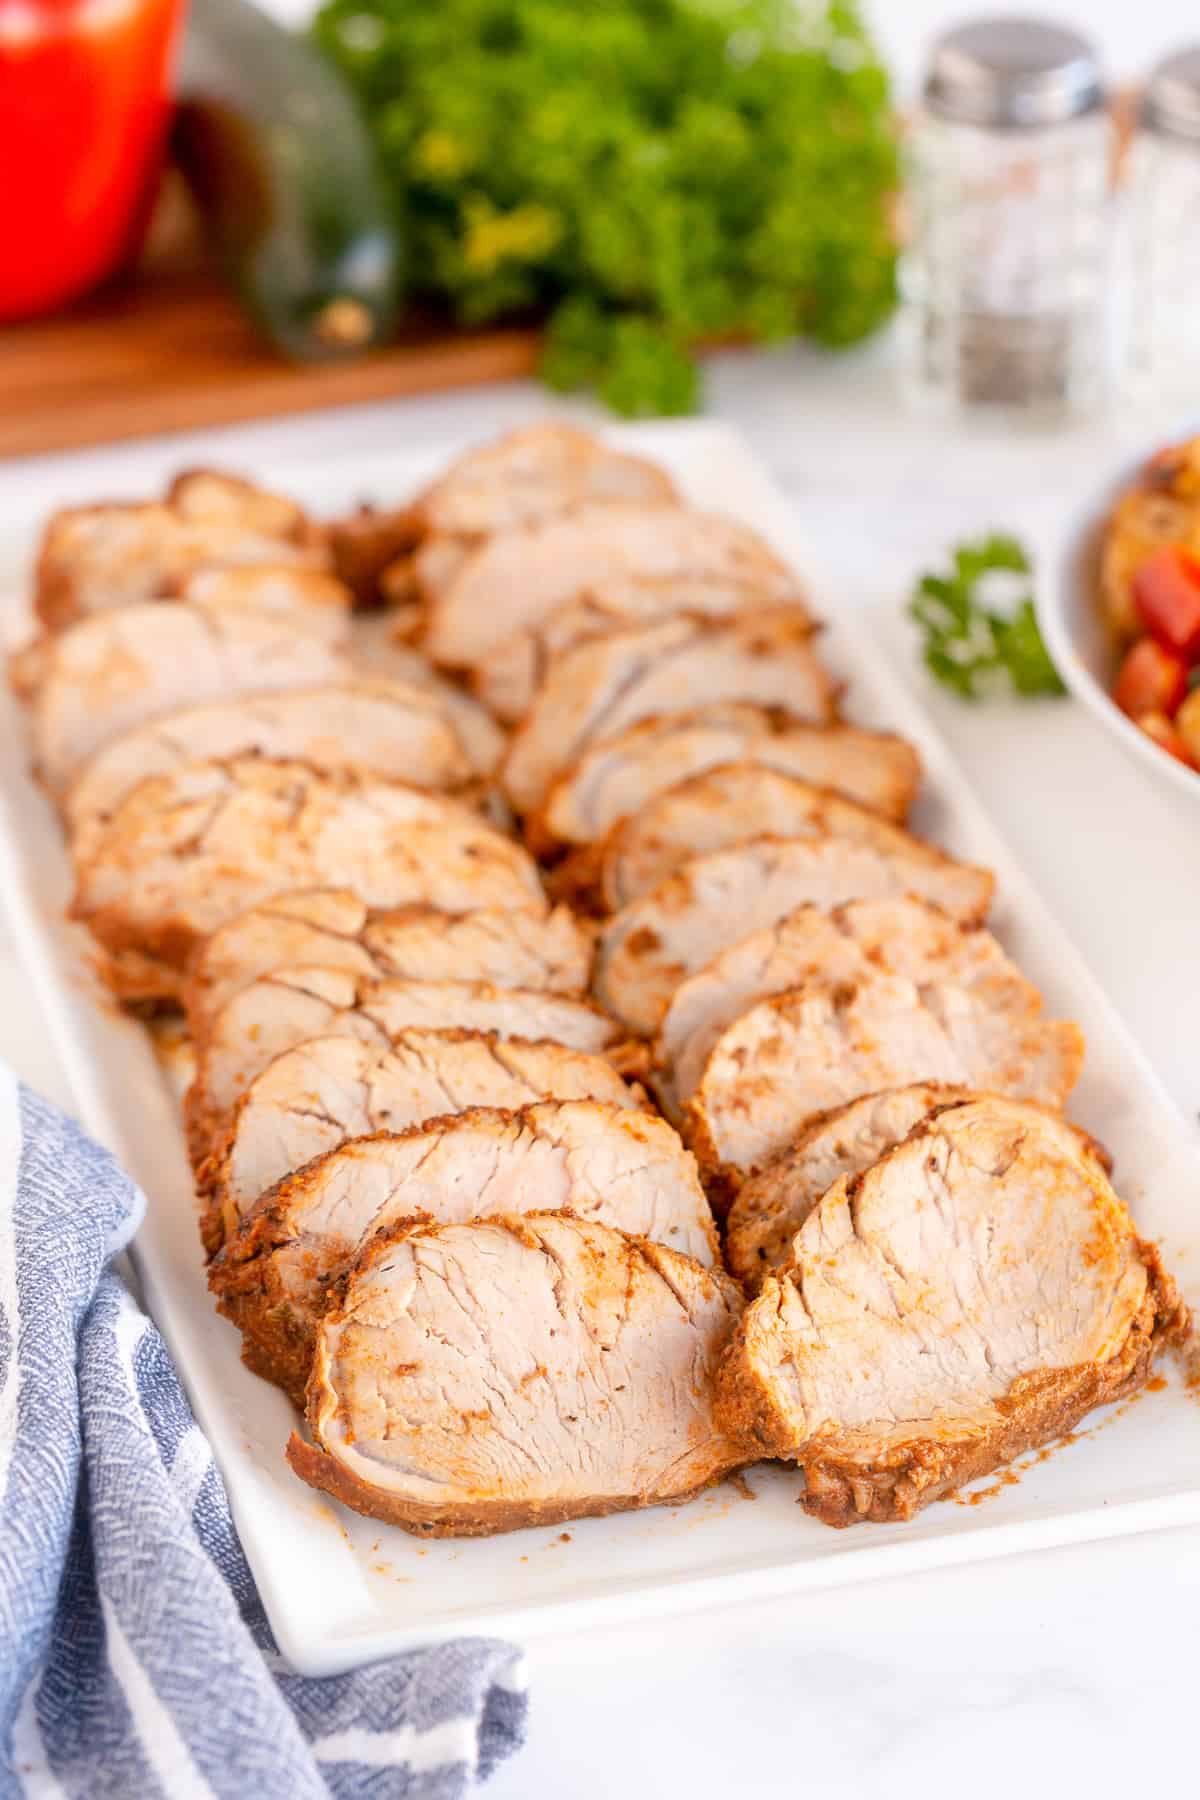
974, 647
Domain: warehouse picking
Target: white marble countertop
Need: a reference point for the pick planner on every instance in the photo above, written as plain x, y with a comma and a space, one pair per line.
1073, 1666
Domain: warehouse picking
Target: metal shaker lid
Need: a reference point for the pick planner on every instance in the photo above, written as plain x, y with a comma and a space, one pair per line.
1011, 73
1171, 103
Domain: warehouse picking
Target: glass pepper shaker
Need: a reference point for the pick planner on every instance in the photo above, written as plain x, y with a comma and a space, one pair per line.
1004, 279
1163, 240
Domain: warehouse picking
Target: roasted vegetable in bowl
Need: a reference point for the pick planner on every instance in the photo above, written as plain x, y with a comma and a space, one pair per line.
1150, 593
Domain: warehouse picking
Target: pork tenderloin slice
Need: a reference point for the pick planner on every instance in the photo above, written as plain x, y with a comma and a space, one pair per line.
286, 1008
309, 599
898, 937
602, 688
333, 928
187, 851
815, 1047
109, 674
620, 775
650, 948
771, 1207
214, 496
731, 805
973, 1294
508, 680
534, 474
312, 1098
93, 559
392, 731
377, 654
516, 577
624, 1168
537, 1370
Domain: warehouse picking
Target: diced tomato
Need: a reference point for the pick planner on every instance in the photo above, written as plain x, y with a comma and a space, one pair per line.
1159, 727
1150, 680
1187, 724
1166, 592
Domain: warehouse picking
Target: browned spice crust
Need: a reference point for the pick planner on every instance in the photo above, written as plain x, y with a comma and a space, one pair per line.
203, 1126
145, 962
577, 881
843, 1490
722, 1181
277, 1336
368, 541
483, 1519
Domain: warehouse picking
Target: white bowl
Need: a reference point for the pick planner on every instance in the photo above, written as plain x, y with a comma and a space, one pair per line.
1075, 634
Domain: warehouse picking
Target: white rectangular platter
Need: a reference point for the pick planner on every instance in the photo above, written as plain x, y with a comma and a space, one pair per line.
341, 1590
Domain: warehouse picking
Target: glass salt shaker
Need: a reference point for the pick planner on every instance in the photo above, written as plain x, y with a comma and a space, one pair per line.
1163, 239
1005, 276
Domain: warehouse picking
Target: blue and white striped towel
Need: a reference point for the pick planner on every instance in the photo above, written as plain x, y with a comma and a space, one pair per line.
135, 1657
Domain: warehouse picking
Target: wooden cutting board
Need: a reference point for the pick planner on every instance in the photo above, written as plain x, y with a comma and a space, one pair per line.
169, 351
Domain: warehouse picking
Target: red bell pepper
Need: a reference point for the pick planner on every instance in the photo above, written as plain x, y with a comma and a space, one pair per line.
1166, 593
84, 102
1150, 680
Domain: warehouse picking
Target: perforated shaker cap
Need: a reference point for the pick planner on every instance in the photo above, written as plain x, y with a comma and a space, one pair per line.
1172, 99
1012, 74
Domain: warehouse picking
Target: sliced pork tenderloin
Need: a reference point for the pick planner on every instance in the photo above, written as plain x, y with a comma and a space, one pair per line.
649, 949
509, 679
521, 479
729, 806
604, 687
578, 1380
332, 928
315, 1097
622, 1167
185, 852
288, 1007
309, 599
113, 673
771, 1206
95, 558
392, 731
971, 1295
898, 937
516, 578
377, 654
802, 1052
531, 475
214, 496
621, 775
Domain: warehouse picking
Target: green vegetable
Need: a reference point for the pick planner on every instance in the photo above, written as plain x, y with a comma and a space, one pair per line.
975, 648
284, 173
646, 173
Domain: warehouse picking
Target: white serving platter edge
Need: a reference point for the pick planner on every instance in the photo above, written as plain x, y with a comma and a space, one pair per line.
340, 1590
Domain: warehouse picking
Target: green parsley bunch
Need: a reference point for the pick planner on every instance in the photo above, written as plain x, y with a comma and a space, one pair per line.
643, 173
